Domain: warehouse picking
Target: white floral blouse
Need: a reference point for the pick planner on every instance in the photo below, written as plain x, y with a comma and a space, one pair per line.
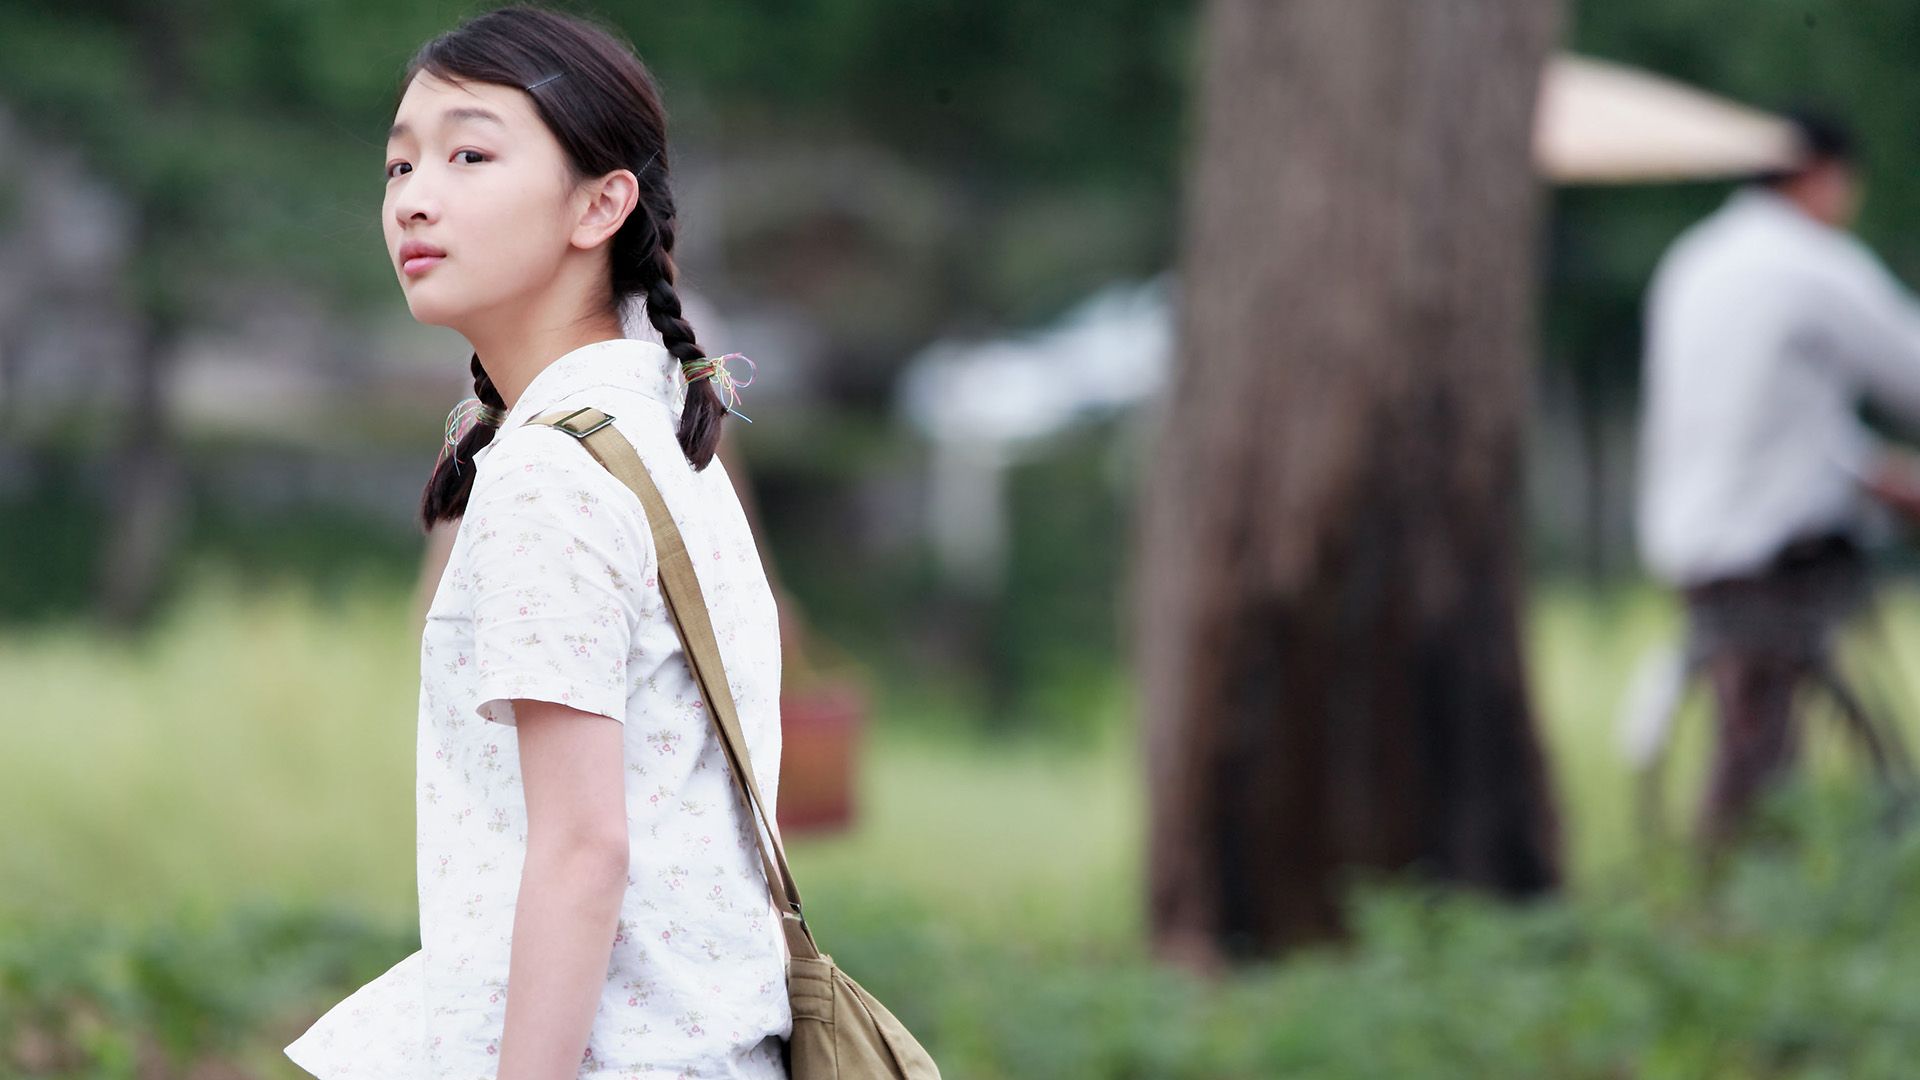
550, 593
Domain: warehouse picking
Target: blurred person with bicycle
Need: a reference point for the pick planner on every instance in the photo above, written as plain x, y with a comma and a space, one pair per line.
1767, 325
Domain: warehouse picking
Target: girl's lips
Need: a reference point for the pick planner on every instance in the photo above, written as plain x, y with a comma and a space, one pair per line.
420, 264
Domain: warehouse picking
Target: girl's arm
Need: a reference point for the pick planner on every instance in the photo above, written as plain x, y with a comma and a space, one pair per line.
570, 889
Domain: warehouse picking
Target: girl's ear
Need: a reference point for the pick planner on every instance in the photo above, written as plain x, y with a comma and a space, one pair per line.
606, 202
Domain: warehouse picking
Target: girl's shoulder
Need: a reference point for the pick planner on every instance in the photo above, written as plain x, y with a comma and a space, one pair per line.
536, 474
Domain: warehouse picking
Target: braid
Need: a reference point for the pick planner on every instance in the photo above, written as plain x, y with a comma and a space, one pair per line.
700, 417
447, 491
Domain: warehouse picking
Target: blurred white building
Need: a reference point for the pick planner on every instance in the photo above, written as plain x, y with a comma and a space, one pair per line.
984, 405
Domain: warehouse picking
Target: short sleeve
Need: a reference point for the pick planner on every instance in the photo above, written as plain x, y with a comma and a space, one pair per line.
557, 547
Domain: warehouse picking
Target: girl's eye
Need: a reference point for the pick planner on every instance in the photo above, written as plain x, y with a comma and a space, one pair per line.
477, 153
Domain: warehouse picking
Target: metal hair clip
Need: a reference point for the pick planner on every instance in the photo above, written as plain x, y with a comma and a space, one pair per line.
545, 81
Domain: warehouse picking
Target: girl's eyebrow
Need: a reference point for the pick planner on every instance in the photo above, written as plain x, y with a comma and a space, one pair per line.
464, 112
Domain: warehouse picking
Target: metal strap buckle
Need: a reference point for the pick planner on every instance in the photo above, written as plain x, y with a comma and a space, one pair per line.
570, 426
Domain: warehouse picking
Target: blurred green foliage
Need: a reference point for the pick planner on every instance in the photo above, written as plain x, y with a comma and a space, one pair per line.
1796, 963
1792, 965
54, 530
249, 129
248, 132
253, 123
211, 845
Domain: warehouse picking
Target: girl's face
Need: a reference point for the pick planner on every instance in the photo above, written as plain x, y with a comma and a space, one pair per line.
474, 173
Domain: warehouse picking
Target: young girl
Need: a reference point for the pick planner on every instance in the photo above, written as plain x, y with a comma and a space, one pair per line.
591, 901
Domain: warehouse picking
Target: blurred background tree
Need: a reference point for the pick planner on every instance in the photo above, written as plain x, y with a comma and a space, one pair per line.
1330, 580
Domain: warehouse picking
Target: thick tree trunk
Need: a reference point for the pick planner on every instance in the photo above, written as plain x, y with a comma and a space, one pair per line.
1329, 574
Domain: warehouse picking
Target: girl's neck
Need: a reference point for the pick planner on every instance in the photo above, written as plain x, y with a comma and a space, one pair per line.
512, 360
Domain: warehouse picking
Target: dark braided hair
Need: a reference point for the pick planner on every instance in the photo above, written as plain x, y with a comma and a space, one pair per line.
649, 262
447, 488
606, 114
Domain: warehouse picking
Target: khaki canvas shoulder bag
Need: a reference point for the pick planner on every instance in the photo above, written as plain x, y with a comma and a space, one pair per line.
839, 1030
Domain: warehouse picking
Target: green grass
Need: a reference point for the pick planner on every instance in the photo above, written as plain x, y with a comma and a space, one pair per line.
211, 832
261, 743
259, 746
254, 745
1584, 651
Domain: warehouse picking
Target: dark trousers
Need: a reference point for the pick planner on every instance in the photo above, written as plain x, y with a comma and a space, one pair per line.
1760, 638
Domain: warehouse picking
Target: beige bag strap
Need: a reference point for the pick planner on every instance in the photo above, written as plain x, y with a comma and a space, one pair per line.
689, 609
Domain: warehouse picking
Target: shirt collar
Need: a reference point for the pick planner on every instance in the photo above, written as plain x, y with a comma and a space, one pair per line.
629, 364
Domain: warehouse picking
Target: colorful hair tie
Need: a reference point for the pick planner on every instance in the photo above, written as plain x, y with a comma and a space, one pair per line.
465, 415
715, 368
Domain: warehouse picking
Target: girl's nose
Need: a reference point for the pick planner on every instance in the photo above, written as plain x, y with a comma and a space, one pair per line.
416, 200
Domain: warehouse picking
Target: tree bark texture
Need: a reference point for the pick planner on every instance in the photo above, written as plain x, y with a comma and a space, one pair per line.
1328, 573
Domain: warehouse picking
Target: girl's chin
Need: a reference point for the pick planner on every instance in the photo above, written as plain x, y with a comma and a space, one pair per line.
429, 313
